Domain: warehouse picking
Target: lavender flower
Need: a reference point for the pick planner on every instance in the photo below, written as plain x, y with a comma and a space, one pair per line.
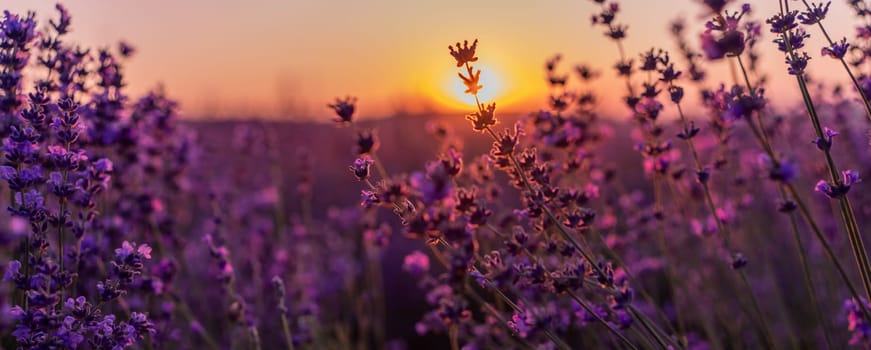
797, 63
723, 36
837, 51
857, 323
825, 143
464, 53
344, 109
815, 14
416, 263
795, 40
360, 168
484, 118
839, 188
782, 23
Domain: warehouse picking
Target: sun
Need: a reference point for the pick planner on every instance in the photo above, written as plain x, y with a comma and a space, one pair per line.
454, 89
489, 79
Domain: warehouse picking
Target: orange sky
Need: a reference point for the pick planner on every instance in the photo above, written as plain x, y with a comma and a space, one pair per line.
288, 58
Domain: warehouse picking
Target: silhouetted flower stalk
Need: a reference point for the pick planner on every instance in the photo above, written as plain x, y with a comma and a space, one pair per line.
816, 15
859, 251
562, 230
482, 120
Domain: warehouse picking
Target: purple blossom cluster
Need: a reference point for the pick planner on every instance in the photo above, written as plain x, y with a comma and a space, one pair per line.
54, 185
86, 171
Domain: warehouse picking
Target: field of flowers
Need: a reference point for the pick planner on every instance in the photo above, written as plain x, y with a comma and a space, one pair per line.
735, 226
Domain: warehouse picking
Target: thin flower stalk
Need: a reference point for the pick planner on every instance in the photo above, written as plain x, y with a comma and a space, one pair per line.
721, 227
806, 271
863, 97
501, 295
483, 120
761, 134
806, 214
853, 233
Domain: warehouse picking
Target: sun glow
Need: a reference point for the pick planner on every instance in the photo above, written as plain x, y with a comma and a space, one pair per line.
493, 87
453, 95
514, 85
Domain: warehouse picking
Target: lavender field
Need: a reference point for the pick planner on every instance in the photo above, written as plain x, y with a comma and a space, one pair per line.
708, 212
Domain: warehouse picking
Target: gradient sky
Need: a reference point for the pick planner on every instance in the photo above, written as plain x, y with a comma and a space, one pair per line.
288, 58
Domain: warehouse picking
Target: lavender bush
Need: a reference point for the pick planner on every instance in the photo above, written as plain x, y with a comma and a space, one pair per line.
736, 225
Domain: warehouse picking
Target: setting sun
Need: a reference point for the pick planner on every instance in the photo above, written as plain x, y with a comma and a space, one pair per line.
490, 79
450, 93
504, 82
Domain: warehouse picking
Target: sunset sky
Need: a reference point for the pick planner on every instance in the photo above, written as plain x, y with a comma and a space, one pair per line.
288, 58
